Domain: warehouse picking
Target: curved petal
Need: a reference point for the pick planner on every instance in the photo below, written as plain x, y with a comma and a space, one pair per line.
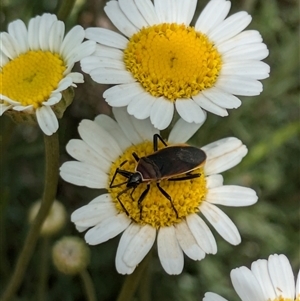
212, 15
214, 181
185, 11
107, 229
209, 106
125, 240
45, 25
9, 45
56, 36
139, 246
202, 234
147, 10
221, 222
106, 37
189, 110
282, 277
162, 113
18, 31
187, 241
231, 195
119, 19
83, 174
213, 297
140, 105
246, 285
169, 251
47, 120
182, 131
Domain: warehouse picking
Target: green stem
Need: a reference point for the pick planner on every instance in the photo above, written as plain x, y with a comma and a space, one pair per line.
65, 9
88, 285
44, 269
51, 179
131, 282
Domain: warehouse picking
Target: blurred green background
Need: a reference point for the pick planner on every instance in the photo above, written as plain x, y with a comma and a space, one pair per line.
268, 124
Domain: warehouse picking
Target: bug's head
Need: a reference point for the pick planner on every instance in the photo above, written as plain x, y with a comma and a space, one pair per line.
134, 180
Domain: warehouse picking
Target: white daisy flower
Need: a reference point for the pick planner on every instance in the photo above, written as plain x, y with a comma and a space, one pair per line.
268, 280
161, 62
105, 145
36, 64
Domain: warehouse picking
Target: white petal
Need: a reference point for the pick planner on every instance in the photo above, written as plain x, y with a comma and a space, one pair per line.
53, 100
221, 222
224, 162
3, 108
182, 131
107, 229
80, 151
256, 51
146, 8
72, 40
121, 95
230, 27
166, 10
162, 113
118, 18
298, 285
239, 85
244, 38
202, 234
125, 122
169, 251
260, 270
231, 195
246, 285
76, 77
99, 140
139, 246
9, 45
92, 214
114, 129
83, 174
103, 51
144, 128
140, 105
33, 33
47, 120
10, 101
221, 98
45, 25
102, 198
213, 297
111, 76
3, 59
18, 31
64, 84
189, 110
187, 241
209, 106
106, 37
131, 11
81, 51
212, 15
214, 181
282, 276
250, 69
56, 35
127, 236
22, 108
185, 11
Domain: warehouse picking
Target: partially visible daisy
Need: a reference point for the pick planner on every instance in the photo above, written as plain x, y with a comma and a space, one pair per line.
107, 145
36, 66
268, 280
162, 63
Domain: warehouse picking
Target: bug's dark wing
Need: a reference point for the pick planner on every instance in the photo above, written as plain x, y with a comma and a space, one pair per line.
176, 160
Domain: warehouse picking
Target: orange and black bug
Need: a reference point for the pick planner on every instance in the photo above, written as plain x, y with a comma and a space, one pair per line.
166, 163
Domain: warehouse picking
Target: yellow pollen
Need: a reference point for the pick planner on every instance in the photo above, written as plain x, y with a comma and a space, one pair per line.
156, 210
31, 77
172, 60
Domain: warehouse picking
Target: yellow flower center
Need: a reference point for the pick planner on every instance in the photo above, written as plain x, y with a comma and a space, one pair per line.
31, 77
155, 210
285, 299
172, 60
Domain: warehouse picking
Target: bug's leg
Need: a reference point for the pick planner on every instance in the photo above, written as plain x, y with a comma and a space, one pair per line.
118, 198
188, 176
168, 197
155, 141
142, 197
122, 172
136, 157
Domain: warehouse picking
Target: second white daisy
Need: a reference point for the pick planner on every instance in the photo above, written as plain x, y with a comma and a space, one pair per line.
107, 145
163, 63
